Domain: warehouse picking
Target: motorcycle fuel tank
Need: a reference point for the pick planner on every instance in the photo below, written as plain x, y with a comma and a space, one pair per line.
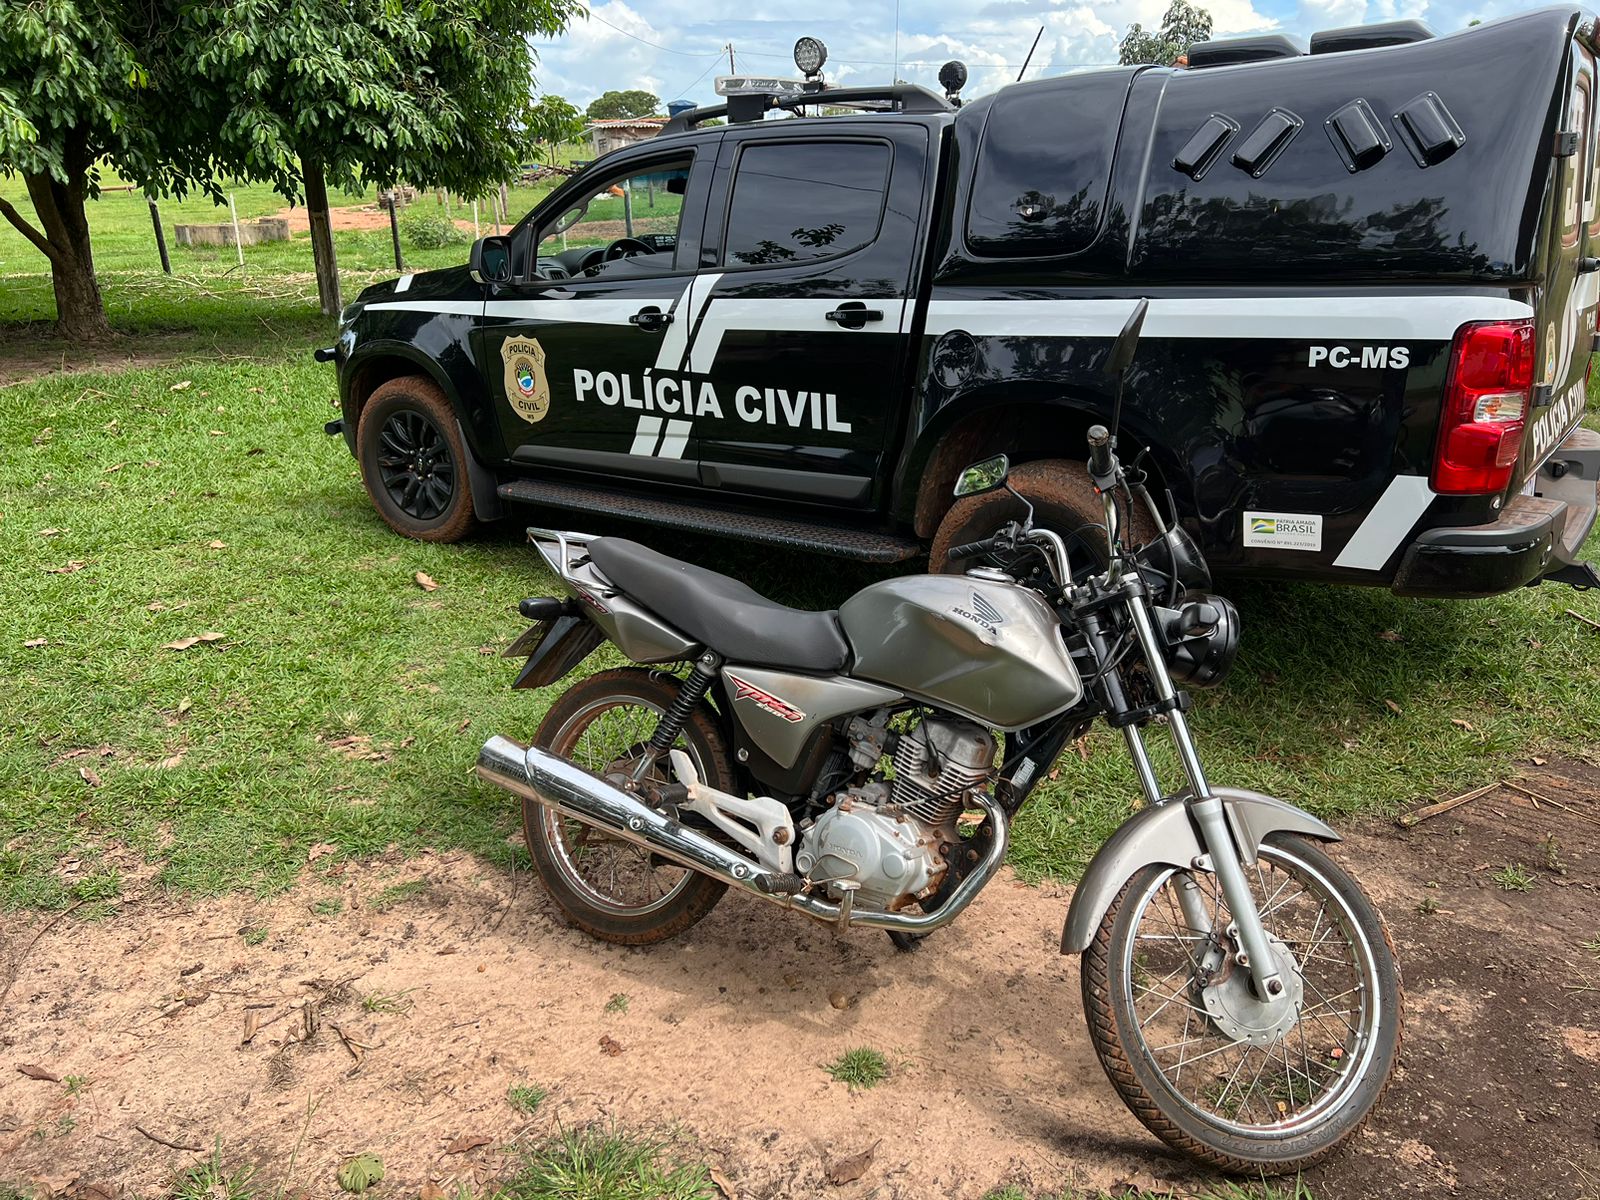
988, 650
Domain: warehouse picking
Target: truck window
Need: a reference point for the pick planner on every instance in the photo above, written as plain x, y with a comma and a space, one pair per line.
799, 201
626, 226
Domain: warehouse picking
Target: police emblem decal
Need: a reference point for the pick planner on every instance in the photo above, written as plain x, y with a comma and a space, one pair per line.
527, 388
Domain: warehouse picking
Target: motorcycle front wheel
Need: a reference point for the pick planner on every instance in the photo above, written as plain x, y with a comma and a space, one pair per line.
1244, 1086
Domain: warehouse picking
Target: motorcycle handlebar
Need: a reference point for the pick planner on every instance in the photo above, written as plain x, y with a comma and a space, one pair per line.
1102, 463
972, 549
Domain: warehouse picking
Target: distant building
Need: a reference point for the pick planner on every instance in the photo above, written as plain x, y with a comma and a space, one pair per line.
610, 135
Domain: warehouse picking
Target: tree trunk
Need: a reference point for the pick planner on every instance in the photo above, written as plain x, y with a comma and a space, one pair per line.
60, 208
321, 238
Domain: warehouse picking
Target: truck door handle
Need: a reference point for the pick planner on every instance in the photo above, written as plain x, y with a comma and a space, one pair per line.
651, 319
853, 314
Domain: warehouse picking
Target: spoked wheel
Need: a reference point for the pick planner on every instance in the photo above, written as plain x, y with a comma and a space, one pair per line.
415, 465
1242, 1084
610, 888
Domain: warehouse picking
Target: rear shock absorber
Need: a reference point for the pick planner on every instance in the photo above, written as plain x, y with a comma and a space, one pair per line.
690, 694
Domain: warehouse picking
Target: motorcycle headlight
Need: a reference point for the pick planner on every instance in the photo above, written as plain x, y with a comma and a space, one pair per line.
1202, 636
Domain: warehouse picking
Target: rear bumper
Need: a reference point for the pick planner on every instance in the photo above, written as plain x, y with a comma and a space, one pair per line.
1535, 534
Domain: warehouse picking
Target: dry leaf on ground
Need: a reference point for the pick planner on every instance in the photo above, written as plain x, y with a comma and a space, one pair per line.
610, 1045
68, 569
847, 1170
182, 385
217, 544
426, 582
34, 1071
175, 760
467, 1141
724, 1184
90, 776
198, 639
35, 643
1393, 707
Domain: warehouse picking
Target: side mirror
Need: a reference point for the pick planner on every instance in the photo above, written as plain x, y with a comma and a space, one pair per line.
983, 476
490, 260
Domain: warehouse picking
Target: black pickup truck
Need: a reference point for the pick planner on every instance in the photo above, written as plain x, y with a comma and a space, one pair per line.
1372, 284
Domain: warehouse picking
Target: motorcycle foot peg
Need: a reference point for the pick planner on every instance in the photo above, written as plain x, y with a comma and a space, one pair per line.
780, 885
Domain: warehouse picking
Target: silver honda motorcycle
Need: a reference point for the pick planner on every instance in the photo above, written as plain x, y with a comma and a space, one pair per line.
863, 767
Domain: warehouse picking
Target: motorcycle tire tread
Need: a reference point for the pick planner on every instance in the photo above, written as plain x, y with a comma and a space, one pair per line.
1100, 1014
703, 892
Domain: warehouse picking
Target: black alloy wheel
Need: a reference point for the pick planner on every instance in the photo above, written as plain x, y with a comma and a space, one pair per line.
417, 467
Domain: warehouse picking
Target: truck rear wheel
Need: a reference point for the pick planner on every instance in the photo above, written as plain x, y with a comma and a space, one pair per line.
1063, 500
414, 461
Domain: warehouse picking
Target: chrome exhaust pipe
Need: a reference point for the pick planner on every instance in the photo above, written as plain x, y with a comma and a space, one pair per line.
552, 781
536, 774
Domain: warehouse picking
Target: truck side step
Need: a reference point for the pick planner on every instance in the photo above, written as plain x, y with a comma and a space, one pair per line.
861, 544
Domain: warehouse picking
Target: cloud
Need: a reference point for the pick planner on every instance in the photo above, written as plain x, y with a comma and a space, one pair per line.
675, 48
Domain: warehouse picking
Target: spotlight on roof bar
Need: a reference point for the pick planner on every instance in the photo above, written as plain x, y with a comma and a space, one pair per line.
953, 77
809, 55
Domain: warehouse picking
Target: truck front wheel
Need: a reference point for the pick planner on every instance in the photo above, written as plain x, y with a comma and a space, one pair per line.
1063, 500
414, 461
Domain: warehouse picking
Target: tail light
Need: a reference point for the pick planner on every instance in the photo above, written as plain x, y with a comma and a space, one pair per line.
1486, 402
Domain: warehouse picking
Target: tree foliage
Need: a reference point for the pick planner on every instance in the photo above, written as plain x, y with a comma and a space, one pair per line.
433, 92
612, 106
1183, 25
553, 120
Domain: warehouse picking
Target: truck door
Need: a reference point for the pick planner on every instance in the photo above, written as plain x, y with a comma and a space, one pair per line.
571, 347
806, 291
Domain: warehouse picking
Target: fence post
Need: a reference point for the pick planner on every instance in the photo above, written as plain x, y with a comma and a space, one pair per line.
161, 238
476, 232
394, 232
238, 242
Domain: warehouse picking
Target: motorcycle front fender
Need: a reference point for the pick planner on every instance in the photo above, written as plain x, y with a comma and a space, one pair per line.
1165, 835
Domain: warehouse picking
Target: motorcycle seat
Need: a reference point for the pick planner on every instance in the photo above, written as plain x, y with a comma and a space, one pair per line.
720, 612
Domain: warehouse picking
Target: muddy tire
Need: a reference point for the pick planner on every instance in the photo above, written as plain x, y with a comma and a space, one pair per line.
414, 461
1233, 1112
1063, 500
610, 889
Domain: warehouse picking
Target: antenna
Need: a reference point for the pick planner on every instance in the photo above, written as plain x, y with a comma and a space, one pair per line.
1031, 49
1121, 359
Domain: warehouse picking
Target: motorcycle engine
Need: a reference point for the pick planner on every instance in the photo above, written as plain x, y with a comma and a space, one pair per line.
892, 837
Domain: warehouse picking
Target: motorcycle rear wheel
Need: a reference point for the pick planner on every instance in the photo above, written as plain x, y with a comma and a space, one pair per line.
1299, 1086
611, 889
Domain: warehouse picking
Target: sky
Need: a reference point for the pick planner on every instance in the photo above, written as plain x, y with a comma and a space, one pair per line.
674, 48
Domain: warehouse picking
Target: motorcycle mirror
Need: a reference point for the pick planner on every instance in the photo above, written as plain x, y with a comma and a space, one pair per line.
1127, 343
983, 476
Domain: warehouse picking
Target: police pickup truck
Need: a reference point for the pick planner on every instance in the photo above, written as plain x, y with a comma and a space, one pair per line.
1370, 266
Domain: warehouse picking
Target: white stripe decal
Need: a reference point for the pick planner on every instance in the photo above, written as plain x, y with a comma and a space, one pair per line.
776, 316
1312, 318
672, 446
404, 283
578, 311
1388, 524
645, 436
675, 342
451, 308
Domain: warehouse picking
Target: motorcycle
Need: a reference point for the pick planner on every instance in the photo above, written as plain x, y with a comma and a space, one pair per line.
863, 767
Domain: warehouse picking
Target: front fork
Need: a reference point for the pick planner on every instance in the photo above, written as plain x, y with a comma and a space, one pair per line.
1224, 854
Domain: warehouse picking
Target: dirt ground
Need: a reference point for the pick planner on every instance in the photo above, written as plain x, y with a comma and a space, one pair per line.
188, 1032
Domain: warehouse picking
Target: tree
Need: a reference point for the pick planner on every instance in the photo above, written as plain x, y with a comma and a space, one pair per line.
359, 93
1182, 27
612, 106
555, 121
75, 92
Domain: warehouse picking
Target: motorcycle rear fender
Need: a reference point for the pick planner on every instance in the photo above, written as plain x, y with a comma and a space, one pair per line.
1164, 835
